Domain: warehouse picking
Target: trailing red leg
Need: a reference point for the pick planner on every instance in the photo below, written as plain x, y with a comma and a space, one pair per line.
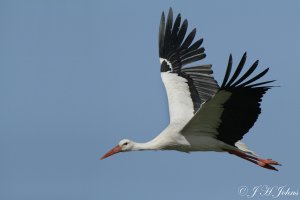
265, 163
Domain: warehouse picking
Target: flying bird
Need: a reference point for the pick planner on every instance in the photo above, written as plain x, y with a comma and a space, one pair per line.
204, 116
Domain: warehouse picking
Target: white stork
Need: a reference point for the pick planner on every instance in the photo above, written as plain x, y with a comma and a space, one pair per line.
203, 115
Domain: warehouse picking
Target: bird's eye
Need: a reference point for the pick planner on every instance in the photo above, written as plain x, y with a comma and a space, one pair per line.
125, 143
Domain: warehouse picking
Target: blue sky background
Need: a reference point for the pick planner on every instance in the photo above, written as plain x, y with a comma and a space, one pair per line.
78, 76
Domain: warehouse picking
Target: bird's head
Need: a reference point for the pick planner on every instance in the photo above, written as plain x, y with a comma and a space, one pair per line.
124, 145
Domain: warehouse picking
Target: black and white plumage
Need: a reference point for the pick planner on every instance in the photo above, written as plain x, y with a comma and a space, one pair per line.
203, 115
175, 52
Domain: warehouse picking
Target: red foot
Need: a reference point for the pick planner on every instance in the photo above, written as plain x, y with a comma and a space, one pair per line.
267, 166
269, 161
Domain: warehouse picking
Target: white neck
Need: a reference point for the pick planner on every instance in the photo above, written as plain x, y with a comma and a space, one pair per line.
154, 144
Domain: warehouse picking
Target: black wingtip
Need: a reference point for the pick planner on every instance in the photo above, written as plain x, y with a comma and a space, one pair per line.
238, 69
261, 74
247, 74
175, 44
233, 82
263, 83
161, 35
170, 10
170, 13
185, 24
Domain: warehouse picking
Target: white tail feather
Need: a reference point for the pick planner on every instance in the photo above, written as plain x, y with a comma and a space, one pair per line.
242, 146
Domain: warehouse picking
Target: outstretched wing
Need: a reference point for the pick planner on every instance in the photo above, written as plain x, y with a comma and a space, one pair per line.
187, 87
233, 110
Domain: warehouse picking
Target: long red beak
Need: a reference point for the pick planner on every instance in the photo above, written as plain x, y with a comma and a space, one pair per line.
113, 151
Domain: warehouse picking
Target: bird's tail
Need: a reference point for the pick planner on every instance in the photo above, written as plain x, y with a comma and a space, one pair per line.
242, 146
